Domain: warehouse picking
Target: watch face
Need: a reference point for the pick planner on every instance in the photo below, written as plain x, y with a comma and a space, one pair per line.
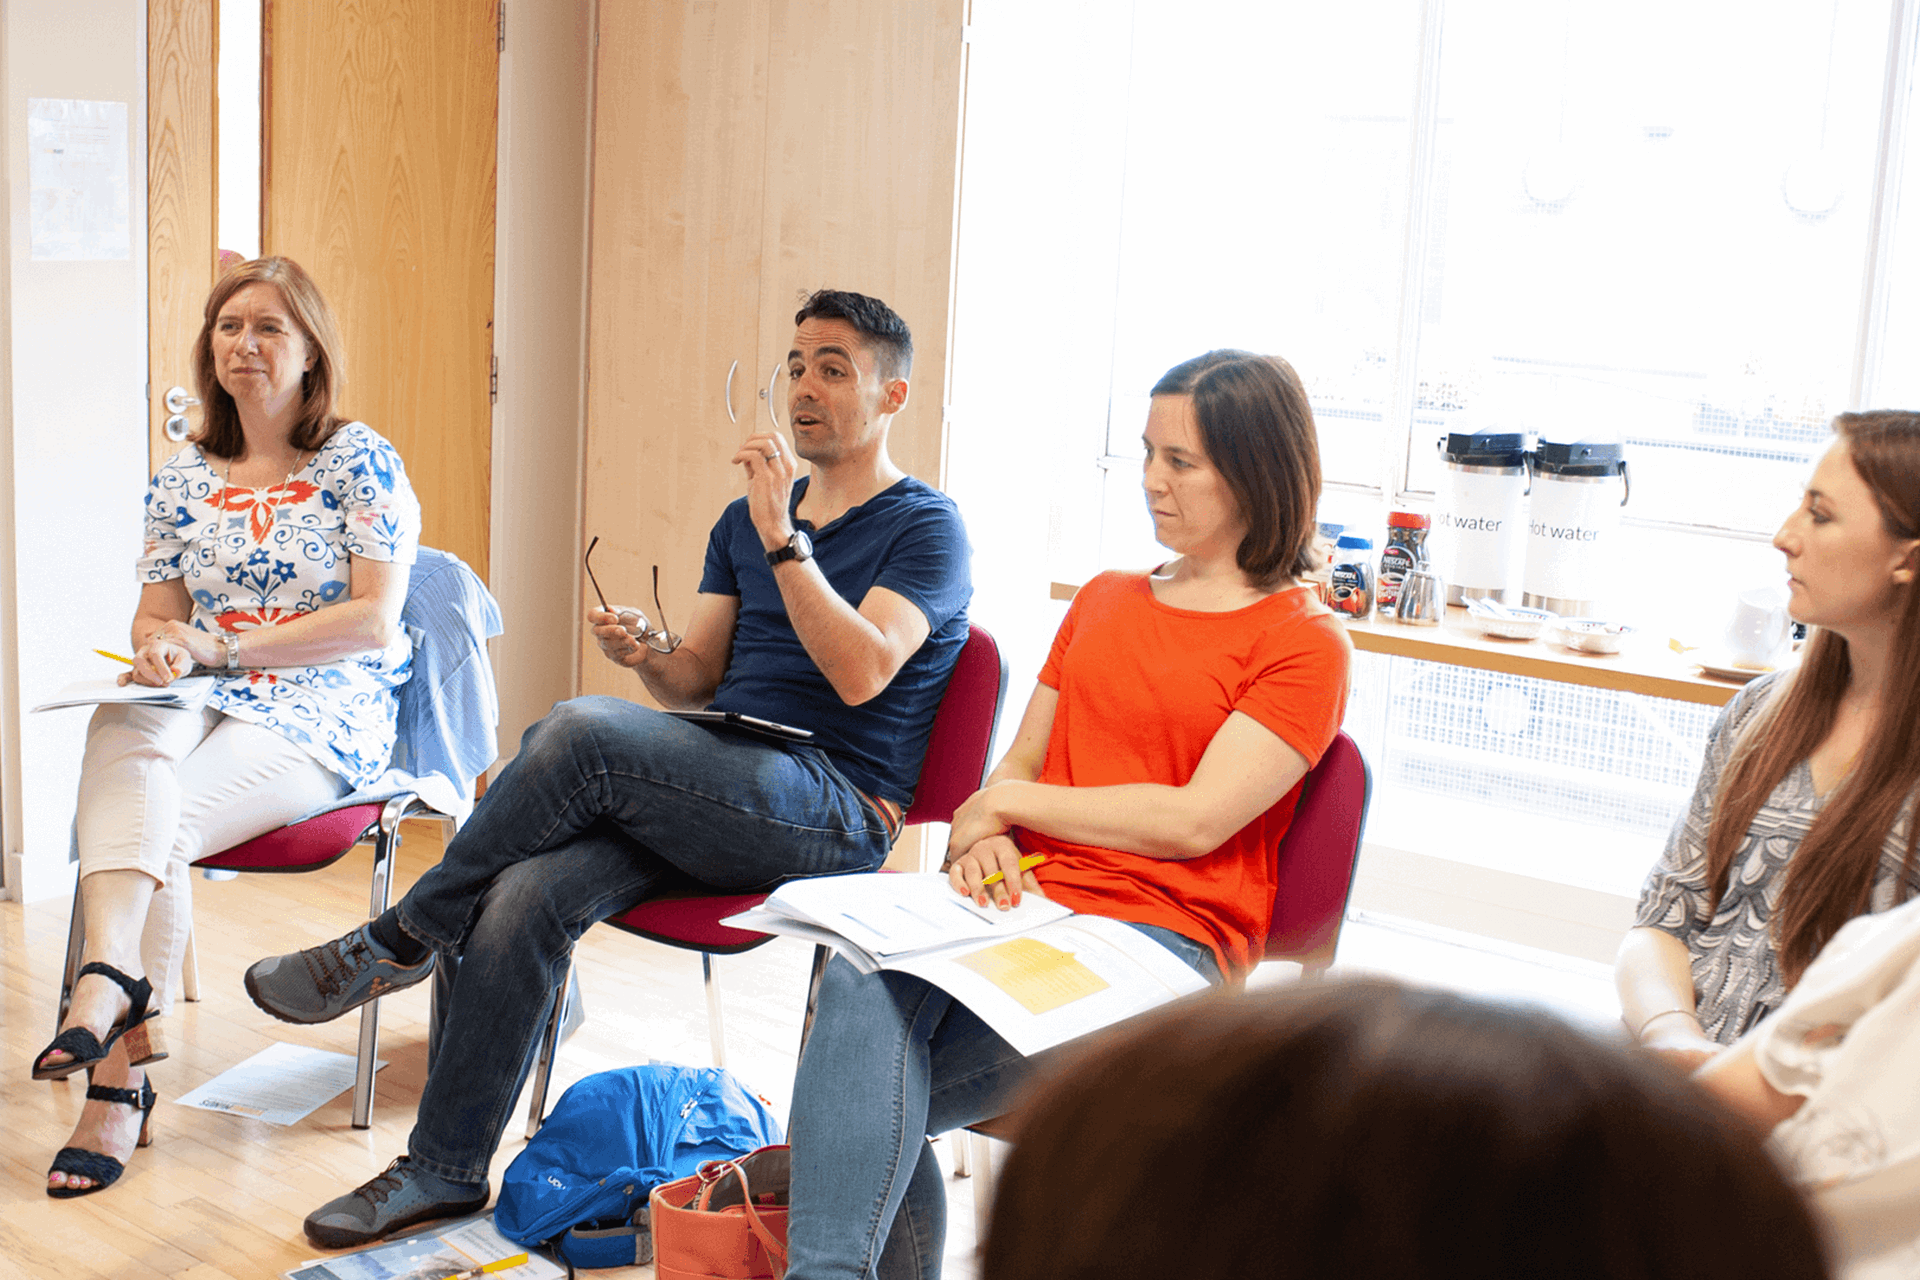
802, 545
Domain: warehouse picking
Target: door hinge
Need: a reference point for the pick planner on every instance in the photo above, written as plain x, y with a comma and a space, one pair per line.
493, 379
503, 26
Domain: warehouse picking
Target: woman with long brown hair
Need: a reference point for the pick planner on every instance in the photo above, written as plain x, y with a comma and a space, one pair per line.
276, 555
1802, 818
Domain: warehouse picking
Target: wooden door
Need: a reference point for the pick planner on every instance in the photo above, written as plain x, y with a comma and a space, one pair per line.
180, 200
379, 162
863, 140
679, 143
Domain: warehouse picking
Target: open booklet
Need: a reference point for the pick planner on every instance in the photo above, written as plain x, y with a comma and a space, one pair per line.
190, 692
1039, 974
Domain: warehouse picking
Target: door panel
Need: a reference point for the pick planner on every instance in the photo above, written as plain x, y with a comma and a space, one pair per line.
679, 142
862, 160
180, 208
379, 158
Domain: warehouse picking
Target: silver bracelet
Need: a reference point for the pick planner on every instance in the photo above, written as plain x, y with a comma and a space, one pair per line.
232, 641
1649, 1021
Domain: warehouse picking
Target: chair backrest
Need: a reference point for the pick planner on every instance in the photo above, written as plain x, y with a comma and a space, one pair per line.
1317, 858
960, 748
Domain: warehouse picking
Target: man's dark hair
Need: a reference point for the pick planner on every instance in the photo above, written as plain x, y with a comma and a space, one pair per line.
878, 325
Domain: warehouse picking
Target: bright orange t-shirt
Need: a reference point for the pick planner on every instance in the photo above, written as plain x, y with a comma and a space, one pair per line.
1143, 688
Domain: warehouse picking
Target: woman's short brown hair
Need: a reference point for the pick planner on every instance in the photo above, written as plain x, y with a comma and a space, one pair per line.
220, 433
1373, 1131
1257, 428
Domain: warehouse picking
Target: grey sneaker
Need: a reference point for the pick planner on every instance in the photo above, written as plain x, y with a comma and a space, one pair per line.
321, 983
397, 1199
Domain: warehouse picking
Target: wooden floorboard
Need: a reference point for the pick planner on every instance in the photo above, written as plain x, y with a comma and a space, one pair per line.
218, 1196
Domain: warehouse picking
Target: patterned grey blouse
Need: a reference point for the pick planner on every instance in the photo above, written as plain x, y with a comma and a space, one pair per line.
1735, 978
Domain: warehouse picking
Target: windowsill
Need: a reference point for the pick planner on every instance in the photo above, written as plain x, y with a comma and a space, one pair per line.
1645, 664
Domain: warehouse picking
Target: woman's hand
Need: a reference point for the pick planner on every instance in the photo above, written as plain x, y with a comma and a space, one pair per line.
995, 853
618, 633
977, 819
164, 658
1678, 1040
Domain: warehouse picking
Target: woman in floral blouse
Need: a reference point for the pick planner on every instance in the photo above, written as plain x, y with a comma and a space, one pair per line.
276, 557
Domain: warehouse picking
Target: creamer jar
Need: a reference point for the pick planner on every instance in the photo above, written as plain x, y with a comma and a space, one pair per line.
1573, 526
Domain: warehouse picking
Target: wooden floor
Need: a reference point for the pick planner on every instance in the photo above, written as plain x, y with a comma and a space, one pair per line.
217, 1196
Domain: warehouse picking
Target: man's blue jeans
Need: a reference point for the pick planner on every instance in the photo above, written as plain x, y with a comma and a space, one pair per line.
891, 1059
607, 802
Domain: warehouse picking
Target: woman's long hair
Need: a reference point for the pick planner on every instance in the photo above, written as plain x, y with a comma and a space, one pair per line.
1829, 878
220, 433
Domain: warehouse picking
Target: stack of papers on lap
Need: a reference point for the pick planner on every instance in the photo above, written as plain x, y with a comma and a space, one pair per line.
1039, 974
190, 692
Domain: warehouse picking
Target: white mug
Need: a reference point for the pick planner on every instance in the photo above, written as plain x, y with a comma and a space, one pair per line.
1758, 627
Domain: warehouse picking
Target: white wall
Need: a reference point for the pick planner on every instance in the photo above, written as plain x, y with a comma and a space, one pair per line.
72, 431
540, 337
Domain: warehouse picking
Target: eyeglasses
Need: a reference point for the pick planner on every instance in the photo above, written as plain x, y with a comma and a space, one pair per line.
659, 639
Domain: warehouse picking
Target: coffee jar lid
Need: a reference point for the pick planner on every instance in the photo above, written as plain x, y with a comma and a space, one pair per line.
1581, 458
1485, 448
1354, 542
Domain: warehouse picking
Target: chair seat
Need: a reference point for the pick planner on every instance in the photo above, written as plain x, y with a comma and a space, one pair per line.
692, 920
303, 846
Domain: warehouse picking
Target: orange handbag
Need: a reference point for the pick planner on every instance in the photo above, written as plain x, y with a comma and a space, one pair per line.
726, 1222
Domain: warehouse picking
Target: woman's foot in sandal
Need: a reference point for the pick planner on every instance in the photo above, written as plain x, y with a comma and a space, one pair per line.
97, 1018
117, 1118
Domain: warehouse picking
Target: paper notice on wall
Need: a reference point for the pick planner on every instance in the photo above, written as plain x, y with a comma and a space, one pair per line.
78, 170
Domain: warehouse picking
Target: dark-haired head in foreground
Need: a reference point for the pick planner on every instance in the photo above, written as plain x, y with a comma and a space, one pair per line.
1368, 1131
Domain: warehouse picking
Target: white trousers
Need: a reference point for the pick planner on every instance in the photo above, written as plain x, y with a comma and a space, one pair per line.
160, 786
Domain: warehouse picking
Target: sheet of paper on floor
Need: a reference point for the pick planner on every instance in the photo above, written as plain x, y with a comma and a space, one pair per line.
282, 1084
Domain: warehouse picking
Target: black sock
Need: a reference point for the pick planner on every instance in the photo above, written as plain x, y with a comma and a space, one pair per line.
386, 931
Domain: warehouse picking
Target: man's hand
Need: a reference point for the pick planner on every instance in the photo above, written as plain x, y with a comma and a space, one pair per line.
996, 853
770, 464
618, 632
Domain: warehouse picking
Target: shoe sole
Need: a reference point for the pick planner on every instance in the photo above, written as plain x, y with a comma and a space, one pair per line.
348, 1238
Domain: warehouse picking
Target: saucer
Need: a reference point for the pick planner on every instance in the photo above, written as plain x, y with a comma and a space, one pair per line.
1723, 668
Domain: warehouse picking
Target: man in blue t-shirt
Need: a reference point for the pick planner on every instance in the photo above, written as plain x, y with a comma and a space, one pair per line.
834, 603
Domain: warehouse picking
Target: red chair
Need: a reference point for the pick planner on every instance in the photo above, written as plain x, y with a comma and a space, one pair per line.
959, 751
1317, 857
443, 594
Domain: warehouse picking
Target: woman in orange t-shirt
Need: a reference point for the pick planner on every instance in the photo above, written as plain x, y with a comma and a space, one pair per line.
1157, 766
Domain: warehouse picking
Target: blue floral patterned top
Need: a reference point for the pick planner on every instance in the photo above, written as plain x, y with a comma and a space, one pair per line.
257, 557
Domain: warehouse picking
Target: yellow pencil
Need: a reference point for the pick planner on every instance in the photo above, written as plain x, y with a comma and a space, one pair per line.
1027, 863
116, 657
501, 1265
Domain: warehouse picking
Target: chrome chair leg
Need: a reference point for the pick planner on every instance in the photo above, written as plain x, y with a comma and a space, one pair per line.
76, 944
386, 848
543, 1064
716, 1031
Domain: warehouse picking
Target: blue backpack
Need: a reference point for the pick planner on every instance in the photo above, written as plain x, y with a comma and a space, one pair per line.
582, 1181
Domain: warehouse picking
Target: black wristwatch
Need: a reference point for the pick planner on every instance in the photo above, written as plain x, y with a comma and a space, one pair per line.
799, 547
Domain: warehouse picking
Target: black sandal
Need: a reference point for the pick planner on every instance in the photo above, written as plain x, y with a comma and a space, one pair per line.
84, 1049
104, 1170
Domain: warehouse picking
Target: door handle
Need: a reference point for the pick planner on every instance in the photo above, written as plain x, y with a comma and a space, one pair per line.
732, 417
178, 401
767, 395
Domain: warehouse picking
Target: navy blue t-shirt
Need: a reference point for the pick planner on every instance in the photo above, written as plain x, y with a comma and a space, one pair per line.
908, 538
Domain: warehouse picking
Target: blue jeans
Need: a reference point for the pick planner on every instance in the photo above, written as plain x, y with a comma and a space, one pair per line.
607, 802
892, 1059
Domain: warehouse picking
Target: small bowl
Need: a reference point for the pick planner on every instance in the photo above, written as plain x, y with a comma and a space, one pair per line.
1591, 635
1519, 624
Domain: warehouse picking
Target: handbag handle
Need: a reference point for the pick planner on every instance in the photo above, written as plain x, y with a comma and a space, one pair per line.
711, 1175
